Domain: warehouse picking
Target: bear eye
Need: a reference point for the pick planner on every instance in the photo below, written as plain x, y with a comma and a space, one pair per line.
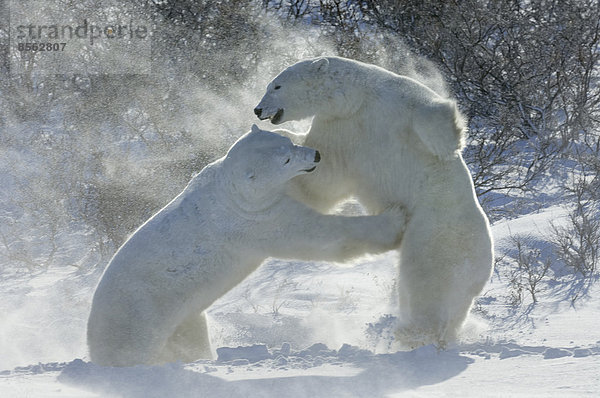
287, 161
277, 87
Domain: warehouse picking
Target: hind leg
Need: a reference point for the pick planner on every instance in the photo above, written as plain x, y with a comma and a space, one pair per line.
444, 264
189, 342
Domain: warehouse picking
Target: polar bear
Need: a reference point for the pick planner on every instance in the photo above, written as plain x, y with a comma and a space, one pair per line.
388, 140
148, 307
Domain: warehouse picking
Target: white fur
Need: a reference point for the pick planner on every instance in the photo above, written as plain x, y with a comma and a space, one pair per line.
148, 307
387, 139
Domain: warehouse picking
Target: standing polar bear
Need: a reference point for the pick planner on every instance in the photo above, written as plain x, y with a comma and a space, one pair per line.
389, 140
148, 307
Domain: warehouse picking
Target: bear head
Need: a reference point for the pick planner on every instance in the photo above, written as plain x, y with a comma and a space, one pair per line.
261, 162
300, 91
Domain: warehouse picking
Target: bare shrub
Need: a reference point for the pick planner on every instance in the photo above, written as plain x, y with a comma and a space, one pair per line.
530, 271
577, 243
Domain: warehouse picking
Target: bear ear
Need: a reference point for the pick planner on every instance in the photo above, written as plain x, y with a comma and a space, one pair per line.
320, 64
255, 128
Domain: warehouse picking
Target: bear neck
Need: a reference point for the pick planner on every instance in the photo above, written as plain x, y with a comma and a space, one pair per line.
245, 202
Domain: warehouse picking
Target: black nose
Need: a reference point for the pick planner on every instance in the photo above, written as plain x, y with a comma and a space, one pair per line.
257, 111
317, 157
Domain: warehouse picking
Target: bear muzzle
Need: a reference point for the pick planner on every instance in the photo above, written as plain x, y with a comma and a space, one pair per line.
317, 159
262, 115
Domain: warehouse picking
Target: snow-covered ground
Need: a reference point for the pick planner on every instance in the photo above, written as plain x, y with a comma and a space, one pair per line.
313, 330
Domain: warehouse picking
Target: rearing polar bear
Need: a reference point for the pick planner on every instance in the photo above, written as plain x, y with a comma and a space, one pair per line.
388, 139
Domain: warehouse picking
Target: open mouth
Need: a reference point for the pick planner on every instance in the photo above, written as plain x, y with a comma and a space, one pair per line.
276, 118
